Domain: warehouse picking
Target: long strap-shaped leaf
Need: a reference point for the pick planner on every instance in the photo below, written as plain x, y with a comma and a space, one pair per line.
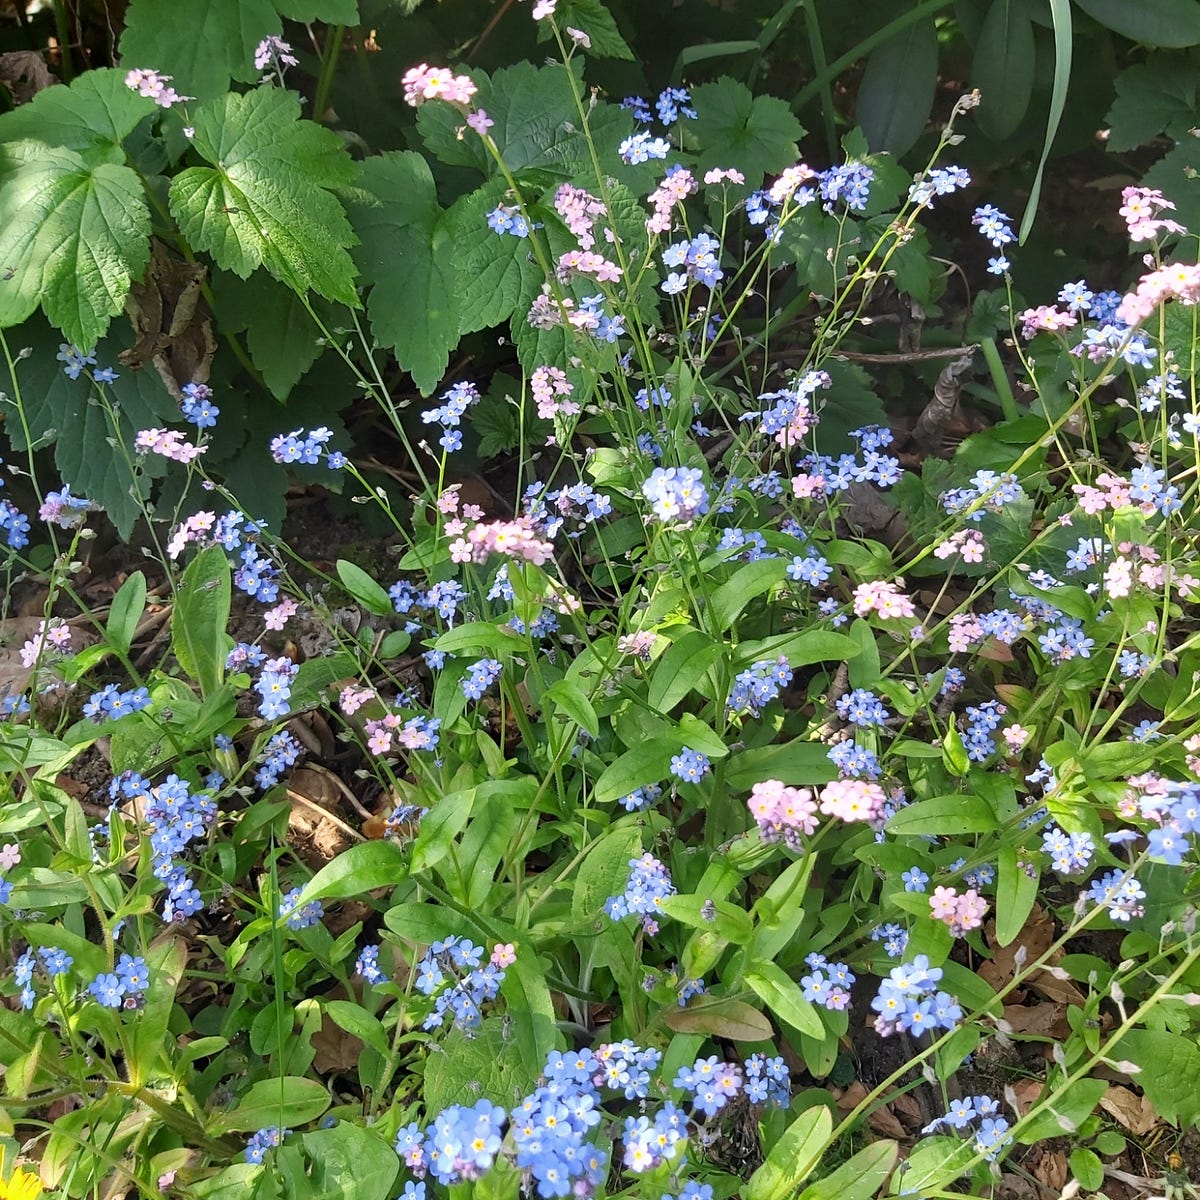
1060, 12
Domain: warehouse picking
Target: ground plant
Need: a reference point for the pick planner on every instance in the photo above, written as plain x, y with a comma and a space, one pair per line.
752, 748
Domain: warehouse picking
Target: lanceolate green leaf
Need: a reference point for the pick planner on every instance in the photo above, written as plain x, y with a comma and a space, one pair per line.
1003, 67
72, 238
265, 199
896, 92
1170, 23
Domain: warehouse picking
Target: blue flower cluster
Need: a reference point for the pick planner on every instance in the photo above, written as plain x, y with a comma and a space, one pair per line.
850, 183
54, 962
577, 505
648, 885
894, 938
642, 147
940, 181
508, 218
1070, 853
274, 685
306, 448
987, 492
699, 260
908, 1000
863, 708
441, 600
195, 405
64, 510
258, 576
996, 227
264, 1140
672, 103
676, 494
1120, 893
991, 1132
982, 721
281, 752
111, 704
642, 798
74, 360
302, 917
755, 687
812, 569
479, 677
124, 986
828, 984
457, 961
854, 761
690, 765
14, 524
367, 964
175, 818
450, 412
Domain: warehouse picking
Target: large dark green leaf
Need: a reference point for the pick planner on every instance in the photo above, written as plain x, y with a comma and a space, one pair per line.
896, 92
1003, 68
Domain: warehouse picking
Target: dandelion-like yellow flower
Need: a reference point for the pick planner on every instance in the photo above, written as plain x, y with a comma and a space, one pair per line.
21, 1185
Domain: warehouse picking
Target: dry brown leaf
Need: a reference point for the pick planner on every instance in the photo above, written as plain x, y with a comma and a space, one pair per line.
1049, 1167
882, 1120
1023, 1094
1046, 1020
1128, 1109
905, 1107
1036, 936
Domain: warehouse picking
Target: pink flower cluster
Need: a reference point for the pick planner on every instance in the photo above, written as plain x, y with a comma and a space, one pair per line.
195, 529
1175, 281
853, 800
719, 175
1045, 318
155, 86
276, 618
413, 734
640, 644
785, 187
552, 390
1141, 207
513, 539
883, 597
587, 262
52, 637
579, 210
436, 83
169, 443
783, 813
960, 913
967, 542
674, 189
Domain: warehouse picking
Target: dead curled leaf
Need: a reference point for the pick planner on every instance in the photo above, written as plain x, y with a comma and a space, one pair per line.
1035, 938
1128, 1109
882, 1120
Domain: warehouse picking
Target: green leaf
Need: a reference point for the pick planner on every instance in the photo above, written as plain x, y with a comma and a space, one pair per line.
1170, 23
682, 668
332, 12
1003, 68
801, 649
731, 1019
1065, 1111
859, 1177
349, 1163
125, 612
597, 22
948, 815
202, 44
1016, 892
371, 595
283, 339
360, 869
200, 616
165, 961
895, 94
535, 1025
407, 255
440, 826
748, 581
488, 1064
359, 1023
93, 116
483, 846
496, 266
290, 1100
568, 698
1154, 97
1170, 1067
1087, 1168
73, 237
604, 871
645, 763
933, 1163
316, 674
782, 995
795, 763
791, 1160
265, 199
758, 134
